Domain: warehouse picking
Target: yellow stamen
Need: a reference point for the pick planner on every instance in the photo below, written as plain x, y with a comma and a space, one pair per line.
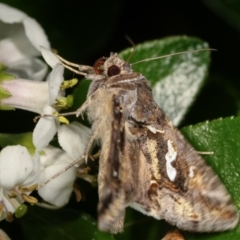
28, 188
12, 194
60, 102
69, 83
29, 199
63, 120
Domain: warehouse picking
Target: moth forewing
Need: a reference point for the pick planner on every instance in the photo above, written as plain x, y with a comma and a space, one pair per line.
145, 162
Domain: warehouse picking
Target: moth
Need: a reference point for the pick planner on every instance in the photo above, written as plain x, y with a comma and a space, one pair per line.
145, 162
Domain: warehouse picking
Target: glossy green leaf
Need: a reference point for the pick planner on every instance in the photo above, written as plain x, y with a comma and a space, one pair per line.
175, 80
80, 93
40, 223
223, 138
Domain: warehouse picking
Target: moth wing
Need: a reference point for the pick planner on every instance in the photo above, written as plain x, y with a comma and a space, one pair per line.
111, 208
183, 189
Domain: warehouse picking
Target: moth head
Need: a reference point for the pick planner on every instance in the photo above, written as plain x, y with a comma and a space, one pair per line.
112, 66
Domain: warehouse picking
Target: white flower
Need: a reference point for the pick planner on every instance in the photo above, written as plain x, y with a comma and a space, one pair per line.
57, 191
31, 95
73, 138
19, 173
51, 59
21, 38
45, 129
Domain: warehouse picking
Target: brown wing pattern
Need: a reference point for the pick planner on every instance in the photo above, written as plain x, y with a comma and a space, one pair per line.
190, 196
111, 209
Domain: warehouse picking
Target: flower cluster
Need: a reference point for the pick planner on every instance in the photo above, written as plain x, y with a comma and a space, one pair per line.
25, 167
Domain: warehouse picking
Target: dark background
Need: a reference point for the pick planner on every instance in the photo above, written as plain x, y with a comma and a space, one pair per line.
83, 31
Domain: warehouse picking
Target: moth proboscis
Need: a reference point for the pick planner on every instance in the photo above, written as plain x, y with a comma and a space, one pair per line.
145, 162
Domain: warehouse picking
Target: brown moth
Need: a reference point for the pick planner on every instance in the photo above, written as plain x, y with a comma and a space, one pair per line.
145, 162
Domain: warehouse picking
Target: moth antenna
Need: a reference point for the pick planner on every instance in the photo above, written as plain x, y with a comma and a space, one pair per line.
62, 171
83, 69
132, 49
174, 54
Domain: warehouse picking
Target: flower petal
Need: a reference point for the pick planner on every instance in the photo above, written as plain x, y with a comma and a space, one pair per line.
53, 155
11, 15
73, 138
54, 83
21, 36
57, 191
34, 175
16, 165
50, 58
45, 129
35, 33
26, 94
9, 207
15, 47
28, 68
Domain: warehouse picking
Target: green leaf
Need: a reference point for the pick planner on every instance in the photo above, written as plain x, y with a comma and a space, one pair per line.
40, 223
223, 138
80, 93
175, 80
79, 97
24, 139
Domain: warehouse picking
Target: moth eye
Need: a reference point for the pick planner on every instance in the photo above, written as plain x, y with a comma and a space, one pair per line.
98, 65
113, 70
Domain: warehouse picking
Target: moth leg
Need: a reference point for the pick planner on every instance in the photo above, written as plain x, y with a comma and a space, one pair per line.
90, 142
78, 111
96, 155
62, 171
87, 102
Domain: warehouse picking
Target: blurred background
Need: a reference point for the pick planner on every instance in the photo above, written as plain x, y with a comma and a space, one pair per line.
82, 31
